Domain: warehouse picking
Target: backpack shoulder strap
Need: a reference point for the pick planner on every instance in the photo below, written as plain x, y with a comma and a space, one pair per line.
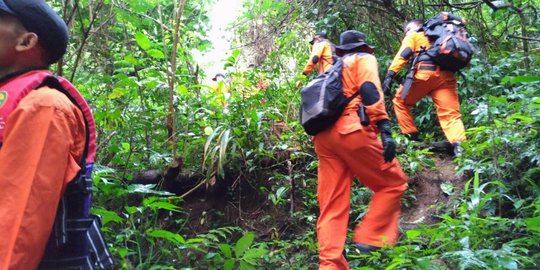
73, 94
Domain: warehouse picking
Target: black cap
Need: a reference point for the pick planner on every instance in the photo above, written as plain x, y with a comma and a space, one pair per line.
351, 39
38, 17
321, 34
218, 75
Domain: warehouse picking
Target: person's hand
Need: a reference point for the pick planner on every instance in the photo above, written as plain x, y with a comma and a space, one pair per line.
387, 83
389, 146
387, 86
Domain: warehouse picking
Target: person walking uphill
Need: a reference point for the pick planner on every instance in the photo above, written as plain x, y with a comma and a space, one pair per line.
349, 149
321, 54
43, 134
429, 79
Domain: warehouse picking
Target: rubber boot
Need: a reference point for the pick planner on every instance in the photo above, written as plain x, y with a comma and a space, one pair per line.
457, 151
415, 136
365, 249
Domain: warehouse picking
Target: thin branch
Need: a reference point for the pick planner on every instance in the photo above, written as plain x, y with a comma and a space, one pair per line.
86, 34
461, 6
525, 38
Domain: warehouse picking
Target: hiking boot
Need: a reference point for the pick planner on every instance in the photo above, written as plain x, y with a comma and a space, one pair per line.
365, 249
415, 136
457, 151
443, 147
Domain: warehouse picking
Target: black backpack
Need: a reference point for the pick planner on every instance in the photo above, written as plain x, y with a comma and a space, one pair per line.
450, 48
323, 100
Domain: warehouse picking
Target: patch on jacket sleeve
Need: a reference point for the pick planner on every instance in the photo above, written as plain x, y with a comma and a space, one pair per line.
369, 93
406, 53
315, 59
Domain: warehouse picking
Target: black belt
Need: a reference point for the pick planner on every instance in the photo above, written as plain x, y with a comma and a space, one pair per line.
425, 67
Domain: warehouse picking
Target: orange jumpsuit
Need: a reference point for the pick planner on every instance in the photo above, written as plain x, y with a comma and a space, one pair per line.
221, 93
348, 149
428, 80
322, 51
43, 144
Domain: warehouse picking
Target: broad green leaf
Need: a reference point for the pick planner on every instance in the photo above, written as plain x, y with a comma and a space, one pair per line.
524, 79
533, 224
106, 215
424, 263
246, 266
243, 244
170, 236
156, 53
223, 150
229, 264
132, 60
411, 234
195, 240
235, 53
151, 84
122, 251
254, 253
522, 118
143, 41
118, 92
182, 90
126, 146
131, 209
226, 250
397, 262
281, 192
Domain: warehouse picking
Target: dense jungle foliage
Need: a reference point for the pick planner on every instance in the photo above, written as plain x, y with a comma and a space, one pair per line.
187, 180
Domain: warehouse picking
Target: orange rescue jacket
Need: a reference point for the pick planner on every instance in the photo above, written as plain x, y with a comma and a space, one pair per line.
357, 70
411, 44
42, 145
322, 51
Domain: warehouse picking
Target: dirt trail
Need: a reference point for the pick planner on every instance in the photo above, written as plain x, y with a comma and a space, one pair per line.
433, 189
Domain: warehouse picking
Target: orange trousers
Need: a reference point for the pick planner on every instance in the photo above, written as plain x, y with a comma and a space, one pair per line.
441, 86
343, 155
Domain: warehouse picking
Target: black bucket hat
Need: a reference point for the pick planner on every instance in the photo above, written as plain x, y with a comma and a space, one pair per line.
320, 34
351, 39
39, 18
218, 75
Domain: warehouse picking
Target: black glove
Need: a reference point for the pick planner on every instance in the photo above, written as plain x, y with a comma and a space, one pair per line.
387, 84
389, 145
